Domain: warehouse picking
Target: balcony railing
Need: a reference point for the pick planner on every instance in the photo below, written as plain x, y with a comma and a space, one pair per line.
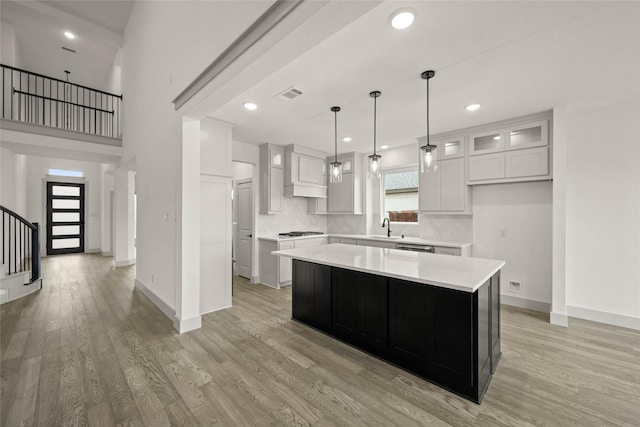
36, 99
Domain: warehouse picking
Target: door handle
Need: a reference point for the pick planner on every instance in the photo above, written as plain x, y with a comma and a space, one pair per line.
250, 235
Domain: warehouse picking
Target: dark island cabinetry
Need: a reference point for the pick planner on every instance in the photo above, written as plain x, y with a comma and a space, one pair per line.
312, 294
359, 309
449, 337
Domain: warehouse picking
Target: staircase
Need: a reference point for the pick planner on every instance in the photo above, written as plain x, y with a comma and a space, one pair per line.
20, 272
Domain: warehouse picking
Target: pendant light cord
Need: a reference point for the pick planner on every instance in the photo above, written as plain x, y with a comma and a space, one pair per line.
335, 113
375, 102
428, 112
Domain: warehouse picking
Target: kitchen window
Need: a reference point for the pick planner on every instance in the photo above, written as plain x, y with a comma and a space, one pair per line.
400, 196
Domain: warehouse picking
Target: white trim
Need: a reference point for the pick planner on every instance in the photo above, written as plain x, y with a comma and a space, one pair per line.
543, 307
255, 278
92, 251
124, 263
103, 253
216, 309
156, 300
604, 317
186, 325
559, 319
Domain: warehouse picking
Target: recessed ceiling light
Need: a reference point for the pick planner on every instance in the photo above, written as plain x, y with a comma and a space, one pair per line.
346, 139
402, 18
384, 147
250, 106
472, 107
69, 35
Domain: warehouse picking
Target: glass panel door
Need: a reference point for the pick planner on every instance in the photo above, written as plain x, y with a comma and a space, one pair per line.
65, 218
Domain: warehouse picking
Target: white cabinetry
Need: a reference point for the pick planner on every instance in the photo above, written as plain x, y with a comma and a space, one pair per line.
271, 178
447, 251
517, 152
445, 190
305, 172
276, 271
346, 196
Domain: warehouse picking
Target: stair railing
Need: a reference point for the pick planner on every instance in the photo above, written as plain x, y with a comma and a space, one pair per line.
41, 100
20, 244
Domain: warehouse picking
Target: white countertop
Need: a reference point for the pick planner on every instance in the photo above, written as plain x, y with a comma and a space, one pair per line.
414, 240
452, 272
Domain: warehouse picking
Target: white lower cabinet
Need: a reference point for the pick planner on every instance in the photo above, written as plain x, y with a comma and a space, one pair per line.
276, 271
447, 251
376, 244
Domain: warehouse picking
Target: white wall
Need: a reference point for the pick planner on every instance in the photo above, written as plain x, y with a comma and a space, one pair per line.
9, 54
37, 170
166, 45
602, 212
13, 191
512, 222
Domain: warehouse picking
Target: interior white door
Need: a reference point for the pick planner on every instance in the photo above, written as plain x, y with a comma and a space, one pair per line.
245, 228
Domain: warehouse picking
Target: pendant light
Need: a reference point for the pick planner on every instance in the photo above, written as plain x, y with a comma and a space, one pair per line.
335, 173
374, 159
428, 157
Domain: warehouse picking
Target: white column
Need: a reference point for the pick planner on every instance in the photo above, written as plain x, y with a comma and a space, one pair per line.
216, 175
558, 284
188, 231
124, 245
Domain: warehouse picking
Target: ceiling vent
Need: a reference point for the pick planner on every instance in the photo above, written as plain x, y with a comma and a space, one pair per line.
68, 49
289, 94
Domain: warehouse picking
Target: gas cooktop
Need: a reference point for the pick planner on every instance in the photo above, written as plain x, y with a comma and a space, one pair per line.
300, 233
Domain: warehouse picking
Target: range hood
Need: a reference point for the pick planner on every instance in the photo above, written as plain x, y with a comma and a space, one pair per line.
305, 172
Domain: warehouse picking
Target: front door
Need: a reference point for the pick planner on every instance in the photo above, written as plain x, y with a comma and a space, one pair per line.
245, 228
65, 218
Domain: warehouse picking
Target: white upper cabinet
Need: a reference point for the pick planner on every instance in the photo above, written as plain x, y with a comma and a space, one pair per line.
526, 136
487, 142
451, 148
271, 178
516, 151
346, 196
444, 190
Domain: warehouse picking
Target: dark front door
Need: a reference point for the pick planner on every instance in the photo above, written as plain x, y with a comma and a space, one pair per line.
65, 218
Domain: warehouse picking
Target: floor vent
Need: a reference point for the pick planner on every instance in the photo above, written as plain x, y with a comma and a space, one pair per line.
289, 94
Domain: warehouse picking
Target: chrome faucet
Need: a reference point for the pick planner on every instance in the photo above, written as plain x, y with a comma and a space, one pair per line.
388, 226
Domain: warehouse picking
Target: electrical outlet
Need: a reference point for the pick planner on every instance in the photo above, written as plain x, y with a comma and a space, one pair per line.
152, 278
514, 286
503, 233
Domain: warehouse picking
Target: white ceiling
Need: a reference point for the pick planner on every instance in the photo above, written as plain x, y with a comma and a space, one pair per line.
39, 34
515, 58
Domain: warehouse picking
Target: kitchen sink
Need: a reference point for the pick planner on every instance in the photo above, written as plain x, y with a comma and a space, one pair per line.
382, 237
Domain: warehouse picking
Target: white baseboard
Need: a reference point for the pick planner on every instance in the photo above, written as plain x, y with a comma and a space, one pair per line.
604, 317
182, 326
186, 325
540, 306
92, 251
163, 306
559, 319
103, 253
255, 279
124, 263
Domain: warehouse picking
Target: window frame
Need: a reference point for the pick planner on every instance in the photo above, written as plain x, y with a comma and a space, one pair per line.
383, 211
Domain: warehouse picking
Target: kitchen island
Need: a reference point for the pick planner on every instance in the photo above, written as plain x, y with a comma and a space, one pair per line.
436, 316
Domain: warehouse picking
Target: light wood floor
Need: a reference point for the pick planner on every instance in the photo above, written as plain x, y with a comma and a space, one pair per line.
89, 350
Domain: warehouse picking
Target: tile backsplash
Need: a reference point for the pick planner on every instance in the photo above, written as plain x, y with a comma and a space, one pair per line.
458, 228
293, 217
